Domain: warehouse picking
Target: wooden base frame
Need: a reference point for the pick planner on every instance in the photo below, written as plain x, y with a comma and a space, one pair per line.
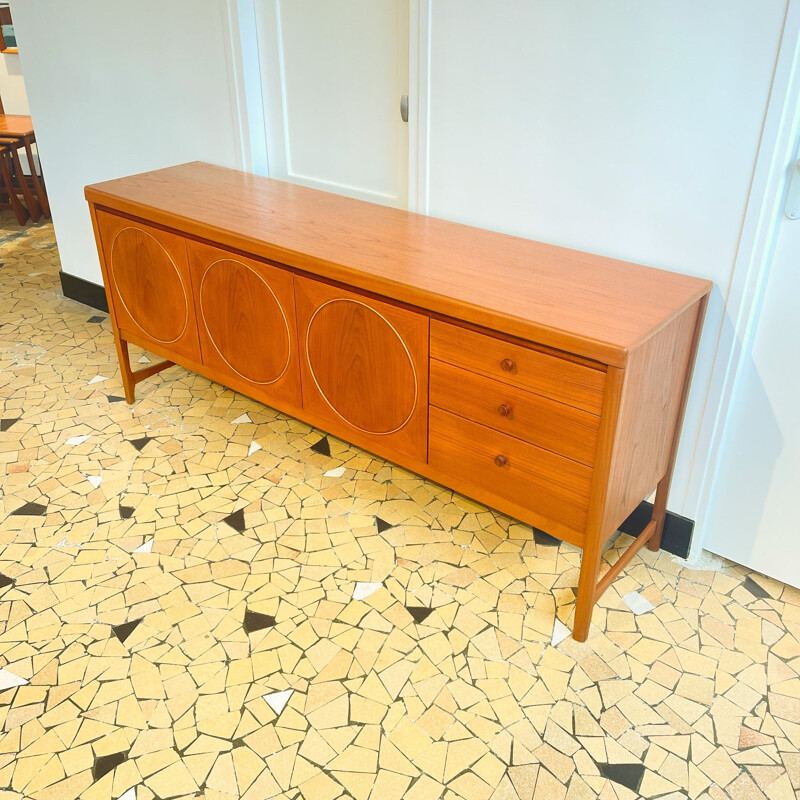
130, 377
591, 585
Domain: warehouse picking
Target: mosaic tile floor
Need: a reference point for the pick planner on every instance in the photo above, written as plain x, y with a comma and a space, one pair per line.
200, 597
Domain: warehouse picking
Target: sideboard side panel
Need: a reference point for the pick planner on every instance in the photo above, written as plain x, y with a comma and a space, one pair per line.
648, 414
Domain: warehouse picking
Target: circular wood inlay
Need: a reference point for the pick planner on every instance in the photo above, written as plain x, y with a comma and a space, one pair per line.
149, 285
245, 321
361, 366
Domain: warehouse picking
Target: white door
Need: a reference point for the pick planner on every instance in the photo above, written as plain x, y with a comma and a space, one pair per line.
753, 516
333, 75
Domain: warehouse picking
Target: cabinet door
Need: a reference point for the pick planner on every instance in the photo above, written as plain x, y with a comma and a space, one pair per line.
364, 368
150, 285
245, 311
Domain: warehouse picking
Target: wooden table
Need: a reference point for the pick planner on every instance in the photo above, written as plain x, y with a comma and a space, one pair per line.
545, 382
18, 129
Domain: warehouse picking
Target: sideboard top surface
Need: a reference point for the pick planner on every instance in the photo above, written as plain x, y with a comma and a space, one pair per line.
593, 306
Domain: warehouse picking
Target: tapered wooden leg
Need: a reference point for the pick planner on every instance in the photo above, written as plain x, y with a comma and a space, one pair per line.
587, 588
125, 368
590, 590
660, 509
131, 378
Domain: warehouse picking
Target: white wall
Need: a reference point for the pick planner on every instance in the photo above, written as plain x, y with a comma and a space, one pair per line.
12, 85
118, 88
625, 128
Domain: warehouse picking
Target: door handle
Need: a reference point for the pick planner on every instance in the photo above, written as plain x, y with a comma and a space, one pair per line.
404, 108
792, 207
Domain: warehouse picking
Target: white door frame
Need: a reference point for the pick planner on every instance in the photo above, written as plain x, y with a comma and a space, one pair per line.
244, 81
419, 50
750, 271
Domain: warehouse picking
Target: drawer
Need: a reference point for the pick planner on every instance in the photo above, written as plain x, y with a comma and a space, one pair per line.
558, 378
536, 419
550, 485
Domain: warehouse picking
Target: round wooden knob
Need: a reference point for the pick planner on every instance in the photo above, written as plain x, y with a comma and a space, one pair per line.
501, 461
504, 410
507, 365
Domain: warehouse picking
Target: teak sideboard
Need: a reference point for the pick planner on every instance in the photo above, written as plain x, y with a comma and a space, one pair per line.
547, 383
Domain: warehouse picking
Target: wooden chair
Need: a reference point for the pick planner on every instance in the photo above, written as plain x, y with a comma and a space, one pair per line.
22, 183
18, 135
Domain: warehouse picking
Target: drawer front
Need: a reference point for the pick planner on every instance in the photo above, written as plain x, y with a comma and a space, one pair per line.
151, 290
557, 378
364, 368
538, 420
246, 321
554, 487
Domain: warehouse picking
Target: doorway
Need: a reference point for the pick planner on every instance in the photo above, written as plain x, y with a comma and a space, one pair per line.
334, 75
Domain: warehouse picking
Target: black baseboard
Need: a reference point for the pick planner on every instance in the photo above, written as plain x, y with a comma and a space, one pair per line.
86, 292
677, 535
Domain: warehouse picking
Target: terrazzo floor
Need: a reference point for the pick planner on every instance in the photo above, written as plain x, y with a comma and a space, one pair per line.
200, 597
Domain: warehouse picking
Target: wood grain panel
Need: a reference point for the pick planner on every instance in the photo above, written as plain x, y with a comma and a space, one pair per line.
557, 378
556, 487
581, 303
364, 364
648, 412
150, 283
554, 426
246, 319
